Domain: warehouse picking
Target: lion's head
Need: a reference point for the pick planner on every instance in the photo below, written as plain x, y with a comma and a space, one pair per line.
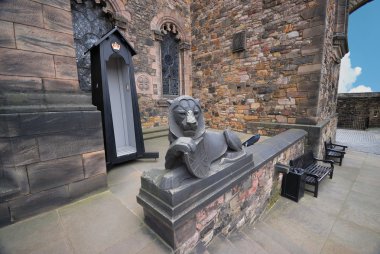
186, 117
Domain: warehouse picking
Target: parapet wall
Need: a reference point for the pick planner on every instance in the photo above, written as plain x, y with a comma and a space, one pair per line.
358, 110
190, 216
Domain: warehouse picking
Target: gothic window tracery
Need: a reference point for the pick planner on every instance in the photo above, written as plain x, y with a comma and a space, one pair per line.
170, 60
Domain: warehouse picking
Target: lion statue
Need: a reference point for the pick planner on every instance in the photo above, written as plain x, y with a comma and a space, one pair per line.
192, 147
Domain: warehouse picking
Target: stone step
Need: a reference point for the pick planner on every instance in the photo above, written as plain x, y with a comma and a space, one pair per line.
155, 132
155, 129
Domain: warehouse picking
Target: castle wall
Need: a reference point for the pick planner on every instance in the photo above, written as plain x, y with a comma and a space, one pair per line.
358, 110
286, 75
276, 78
51, 142
328, 87
143, 30
281, 73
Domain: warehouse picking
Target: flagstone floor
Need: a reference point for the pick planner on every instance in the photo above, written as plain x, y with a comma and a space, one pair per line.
345, 218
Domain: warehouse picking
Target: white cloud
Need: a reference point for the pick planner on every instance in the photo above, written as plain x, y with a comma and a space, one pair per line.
361, 89
347, 75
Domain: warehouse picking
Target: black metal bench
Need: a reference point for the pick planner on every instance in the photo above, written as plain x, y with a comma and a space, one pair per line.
334, 151
314, 171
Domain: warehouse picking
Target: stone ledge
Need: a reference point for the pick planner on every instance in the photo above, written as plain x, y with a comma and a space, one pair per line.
358, 95
173, 213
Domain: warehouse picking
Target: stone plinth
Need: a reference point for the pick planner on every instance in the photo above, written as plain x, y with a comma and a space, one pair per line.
192, 214
48, 159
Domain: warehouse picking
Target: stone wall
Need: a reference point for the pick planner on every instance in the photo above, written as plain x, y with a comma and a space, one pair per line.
317, 134
246, 201
276, 78
286, 75
328, 88
145, 32
358, 110
190, 215
51, 142
143, 25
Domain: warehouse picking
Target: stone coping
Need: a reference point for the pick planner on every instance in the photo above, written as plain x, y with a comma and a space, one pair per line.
175, 206
358, 95
320, 124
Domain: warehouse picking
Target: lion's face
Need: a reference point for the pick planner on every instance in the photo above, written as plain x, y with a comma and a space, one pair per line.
186, 117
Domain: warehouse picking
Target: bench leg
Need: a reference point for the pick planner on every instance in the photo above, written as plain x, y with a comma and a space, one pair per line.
340, 162
316, 190
331, 174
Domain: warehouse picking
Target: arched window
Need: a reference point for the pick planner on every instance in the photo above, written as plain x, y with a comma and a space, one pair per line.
172, 55
170, 60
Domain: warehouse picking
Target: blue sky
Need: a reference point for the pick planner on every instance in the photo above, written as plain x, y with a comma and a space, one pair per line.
360, 70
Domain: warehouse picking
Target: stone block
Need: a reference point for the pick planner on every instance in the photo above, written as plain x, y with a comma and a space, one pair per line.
313, 31
49, 122
45, 41
6, 152
66, 67
94, 163
4, 126
57, 19
308, 68
175, 237
70, 143
61, 85
7, 38
36, 203
21, 99
54, 173
289, 101
62, 4
20, 84
24, 150
21, 11
311, 50
9, 125
23, 63
5, 216
86, 186
292, 34
281, 119
19, 177
91, 119
68, 99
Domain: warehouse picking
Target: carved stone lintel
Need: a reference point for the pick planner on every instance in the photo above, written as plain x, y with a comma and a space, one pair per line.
184, 45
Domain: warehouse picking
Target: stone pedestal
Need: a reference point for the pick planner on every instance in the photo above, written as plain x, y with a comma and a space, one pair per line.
49, 159
191, 214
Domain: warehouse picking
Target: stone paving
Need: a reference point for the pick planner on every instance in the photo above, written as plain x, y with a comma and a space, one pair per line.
367, 141
345, 218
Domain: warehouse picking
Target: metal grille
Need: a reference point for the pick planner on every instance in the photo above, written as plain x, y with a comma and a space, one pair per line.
89, 25
170, 64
